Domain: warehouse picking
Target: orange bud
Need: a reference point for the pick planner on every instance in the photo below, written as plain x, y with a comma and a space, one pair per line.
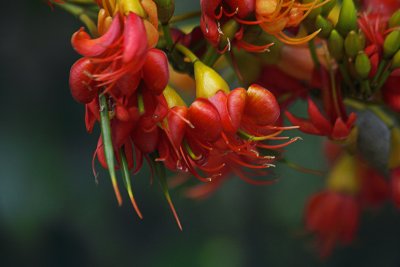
261, 105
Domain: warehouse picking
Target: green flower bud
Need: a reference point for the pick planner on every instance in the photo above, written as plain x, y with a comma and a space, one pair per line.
352, 44
172, 97
208, 81
165, 9
325, 26
335, 45
391, 44
347, 17
396, 61
326, 9
361, 37
394, 20
363, 65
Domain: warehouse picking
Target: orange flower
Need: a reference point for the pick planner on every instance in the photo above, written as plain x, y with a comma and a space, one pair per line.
274, 16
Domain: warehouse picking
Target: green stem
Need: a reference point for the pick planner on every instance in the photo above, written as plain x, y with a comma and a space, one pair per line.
108, 144
210, 56
366, 87
335, 97
167, 36
300, 168
346, 77
189, 15
378, 74
383, 79
314, 55
385, 118
186, 51
141, 104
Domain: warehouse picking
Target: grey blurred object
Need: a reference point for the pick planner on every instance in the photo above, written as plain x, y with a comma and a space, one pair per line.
373, 140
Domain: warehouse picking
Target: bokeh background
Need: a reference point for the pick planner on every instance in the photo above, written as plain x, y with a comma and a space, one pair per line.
52, 213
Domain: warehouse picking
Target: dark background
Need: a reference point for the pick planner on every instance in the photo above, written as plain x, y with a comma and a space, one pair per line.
52, 213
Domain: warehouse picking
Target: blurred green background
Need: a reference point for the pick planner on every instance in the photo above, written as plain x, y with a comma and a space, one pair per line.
52, 213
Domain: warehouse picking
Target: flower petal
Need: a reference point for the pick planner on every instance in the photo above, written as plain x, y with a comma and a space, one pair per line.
84, 45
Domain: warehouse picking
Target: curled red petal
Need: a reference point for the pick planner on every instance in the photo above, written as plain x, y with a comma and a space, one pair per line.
351, 120
81, 83
340, 130
176, 124
84, 45
220, 101
128, 84
317, 119
305, 125
236, 104
135, 40
146, 135
205, 119
155, 71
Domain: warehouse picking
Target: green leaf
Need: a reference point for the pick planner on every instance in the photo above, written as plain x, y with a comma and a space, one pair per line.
108, 145
161, 175
127, 181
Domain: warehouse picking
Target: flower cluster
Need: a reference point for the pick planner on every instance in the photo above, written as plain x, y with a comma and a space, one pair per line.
122, 79
341, 57
224, 21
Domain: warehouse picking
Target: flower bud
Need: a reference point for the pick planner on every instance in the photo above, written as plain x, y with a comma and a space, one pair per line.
396, 61
363, 65
391, 44
261, 106
347, 17
325, 26
394, 20
208, 81
394, 156
134, 6
352, 44
172, 97
165, 9
335, 45
343, 177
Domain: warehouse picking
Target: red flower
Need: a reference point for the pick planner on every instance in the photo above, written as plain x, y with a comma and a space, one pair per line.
333, 217
217, 13
275, 16
318, 124
110, 60
223, 134
383, 7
